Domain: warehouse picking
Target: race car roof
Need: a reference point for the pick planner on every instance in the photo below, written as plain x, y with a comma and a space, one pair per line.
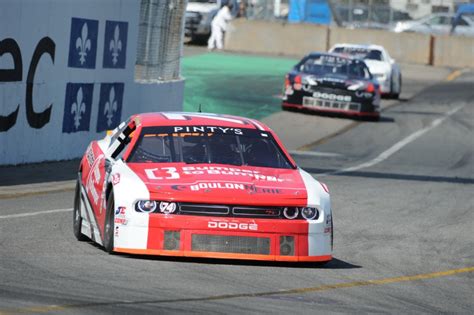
363, 46
339, 55
191, 119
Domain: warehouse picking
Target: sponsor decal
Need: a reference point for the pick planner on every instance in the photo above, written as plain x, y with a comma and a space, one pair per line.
120, 216
116, 231
332, 97
205, 129
94, 179
90, 156
83, 43
167, 207
363, 94
232, 226
120, 210
115, 44
122, 221
172, 172
227, 185
115, 179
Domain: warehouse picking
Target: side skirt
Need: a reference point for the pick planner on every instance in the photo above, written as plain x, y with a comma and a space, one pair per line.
89, 222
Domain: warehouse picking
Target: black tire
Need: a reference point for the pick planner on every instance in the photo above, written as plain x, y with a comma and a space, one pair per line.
76, 215
396, 95
109, 225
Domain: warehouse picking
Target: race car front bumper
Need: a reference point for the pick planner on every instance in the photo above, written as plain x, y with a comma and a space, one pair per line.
230, 238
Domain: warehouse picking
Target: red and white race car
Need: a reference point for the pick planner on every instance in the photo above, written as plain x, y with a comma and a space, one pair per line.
200, 185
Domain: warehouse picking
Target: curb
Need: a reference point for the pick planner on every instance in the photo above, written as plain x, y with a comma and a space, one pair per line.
17, 191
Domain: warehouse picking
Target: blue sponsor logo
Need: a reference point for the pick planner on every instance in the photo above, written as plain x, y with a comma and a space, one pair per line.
110, 106
77, 107
83, 43
115, 44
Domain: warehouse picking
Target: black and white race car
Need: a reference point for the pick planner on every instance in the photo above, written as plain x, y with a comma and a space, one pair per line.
332, 83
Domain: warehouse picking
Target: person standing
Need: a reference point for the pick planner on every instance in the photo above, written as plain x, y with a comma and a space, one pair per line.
219, 26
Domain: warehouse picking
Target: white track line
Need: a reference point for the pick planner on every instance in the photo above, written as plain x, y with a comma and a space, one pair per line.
397, 146
30, 214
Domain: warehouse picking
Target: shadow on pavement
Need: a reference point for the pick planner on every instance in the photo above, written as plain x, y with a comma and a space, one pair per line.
38, 173
333, 264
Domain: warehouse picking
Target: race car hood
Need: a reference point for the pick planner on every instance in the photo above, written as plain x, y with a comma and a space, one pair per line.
222, 184
377, 67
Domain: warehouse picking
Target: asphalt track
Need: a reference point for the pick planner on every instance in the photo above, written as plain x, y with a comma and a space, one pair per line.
403, 202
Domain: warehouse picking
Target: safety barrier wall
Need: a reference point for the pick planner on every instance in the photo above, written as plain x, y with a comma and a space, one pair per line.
404, 47
275, 38
67, 75
454, 51
298, 39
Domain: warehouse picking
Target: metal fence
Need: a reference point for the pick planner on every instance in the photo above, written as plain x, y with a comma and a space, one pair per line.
354, 13
160, 40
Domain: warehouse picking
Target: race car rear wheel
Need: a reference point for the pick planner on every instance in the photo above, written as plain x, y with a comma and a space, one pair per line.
109, 225
77, 219
396, 95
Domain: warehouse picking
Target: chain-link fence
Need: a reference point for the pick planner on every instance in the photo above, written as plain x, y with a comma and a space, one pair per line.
350, 13
160, 40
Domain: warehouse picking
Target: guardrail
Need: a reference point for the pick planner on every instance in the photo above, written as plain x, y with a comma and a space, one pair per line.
281, 38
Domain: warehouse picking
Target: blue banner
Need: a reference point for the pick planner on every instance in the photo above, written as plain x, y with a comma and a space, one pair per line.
310, 11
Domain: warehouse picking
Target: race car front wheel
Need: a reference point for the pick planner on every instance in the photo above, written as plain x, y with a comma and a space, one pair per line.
109, 225
77, 219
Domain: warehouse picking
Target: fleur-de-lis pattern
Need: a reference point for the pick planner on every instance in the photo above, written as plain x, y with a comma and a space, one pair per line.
110, 107
115, 45
83, 44
78, 108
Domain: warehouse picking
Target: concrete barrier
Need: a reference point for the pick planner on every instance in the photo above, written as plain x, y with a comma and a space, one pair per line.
67, 75
403, 47
275, 37
454, 51
298, 39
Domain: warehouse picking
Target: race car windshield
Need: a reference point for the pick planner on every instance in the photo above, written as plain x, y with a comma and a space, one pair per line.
208, 145
334, 66
362, 53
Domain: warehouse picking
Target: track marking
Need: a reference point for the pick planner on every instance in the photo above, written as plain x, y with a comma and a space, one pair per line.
453, 75
327, 287
30, 214
397, 146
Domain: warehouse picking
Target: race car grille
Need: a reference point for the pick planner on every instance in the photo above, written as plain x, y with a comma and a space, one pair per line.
256, 212
202, 209
323, 103
230, 244
232, 211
